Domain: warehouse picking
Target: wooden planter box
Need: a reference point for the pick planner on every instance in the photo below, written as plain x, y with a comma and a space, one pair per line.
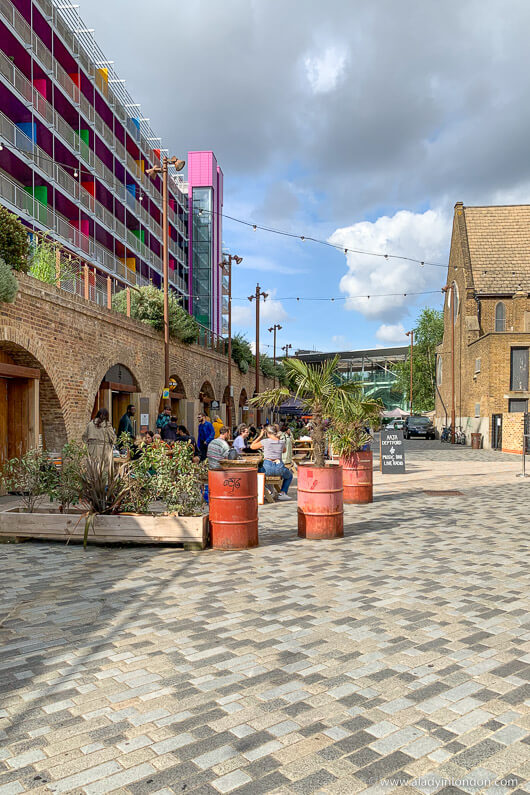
192, 531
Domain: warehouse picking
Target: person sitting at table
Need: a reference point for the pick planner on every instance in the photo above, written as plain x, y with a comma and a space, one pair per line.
273, 448
240, 442
185, 436
219, 448
169, 432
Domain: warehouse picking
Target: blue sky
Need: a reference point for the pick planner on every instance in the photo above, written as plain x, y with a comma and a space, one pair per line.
360, 123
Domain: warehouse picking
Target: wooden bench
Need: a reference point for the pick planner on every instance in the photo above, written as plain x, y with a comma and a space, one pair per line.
275, 482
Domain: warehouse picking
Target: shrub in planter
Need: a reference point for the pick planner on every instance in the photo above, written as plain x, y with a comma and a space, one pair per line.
67, 489
33, 477
325, 397
14, 244
8, 283
242, 352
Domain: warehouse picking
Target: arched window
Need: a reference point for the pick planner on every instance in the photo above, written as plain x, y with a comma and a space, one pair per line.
500, 317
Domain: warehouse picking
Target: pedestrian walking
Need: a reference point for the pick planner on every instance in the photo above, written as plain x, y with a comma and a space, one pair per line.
100, 438
205, 436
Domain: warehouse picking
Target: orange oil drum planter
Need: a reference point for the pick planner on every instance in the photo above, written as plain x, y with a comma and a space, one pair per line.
320, 503
233, 499
358, 478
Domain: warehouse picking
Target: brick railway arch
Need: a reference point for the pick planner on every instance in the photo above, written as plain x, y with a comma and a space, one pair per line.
243, 401
121, 358
116, 391
206, 395
23, 420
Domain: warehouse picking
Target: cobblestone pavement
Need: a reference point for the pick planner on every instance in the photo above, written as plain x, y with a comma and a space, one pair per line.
401, 653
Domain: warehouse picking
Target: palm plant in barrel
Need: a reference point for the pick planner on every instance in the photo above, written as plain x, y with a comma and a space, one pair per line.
349, 437
325, 397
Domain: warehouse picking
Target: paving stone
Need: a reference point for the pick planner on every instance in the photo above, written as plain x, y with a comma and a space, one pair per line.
420, 615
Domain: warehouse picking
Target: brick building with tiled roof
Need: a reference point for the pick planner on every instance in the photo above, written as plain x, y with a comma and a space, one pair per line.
489, 266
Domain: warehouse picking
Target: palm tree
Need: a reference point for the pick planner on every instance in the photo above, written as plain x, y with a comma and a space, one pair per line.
322, 394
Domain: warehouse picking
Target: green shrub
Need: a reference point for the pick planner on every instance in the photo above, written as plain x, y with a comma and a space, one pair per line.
147, 305
8, 283
14, 243
242, 352
32, 476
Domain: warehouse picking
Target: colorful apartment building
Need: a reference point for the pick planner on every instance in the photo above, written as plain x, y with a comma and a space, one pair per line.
74, 151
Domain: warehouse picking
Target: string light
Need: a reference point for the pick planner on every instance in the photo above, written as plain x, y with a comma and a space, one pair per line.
350, 297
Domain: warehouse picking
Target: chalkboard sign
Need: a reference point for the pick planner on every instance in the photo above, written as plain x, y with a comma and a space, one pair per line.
392, 452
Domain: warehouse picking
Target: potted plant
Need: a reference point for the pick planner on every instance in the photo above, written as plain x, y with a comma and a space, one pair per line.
324, 397
349, 436
154, 498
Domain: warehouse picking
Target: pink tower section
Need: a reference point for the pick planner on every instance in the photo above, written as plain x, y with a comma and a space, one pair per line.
204, 172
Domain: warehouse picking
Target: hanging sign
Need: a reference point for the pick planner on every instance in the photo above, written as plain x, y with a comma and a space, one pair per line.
214, 404
392, 452
165, 394
172, 384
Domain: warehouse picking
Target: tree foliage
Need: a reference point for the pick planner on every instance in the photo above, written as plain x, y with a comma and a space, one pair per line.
147, 305
14, 244
321, 396
242, 352
44, 263
8, 283
427, 335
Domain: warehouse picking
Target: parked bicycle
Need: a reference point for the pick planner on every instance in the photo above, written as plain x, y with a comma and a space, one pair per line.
445, 435
460, 436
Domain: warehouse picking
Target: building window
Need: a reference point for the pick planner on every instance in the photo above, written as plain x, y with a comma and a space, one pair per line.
517, 404
519, 369
439, 368
500, 317
477, 409
477, 365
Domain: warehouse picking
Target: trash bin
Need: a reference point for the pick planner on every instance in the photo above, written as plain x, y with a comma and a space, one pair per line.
476, 441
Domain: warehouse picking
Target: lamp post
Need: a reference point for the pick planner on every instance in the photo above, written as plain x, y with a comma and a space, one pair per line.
274, 328
258, 294
228, 265
179, 165
286, 349
411, 335
451, 290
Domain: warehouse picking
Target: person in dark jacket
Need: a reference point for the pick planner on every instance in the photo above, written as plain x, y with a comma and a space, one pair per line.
126, 424
169, 432
163, 418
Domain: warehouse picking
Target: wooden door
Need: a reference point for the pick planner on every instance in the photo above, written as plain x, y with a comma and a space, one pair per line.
120, 401
18, 419
4, 453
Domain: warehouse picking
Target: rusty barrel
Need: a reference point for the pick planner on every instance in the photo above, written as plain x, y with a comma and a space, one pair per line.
476, 441
320, 508
233, 499
357, 477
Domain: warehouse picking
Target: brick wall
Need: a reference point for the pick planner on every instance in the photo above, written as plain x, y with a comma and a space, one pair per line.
512, 433
482, 388
74, 343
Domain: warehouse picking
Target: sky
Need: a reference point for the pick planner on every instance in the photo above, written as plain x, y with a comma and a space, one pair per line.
358, 123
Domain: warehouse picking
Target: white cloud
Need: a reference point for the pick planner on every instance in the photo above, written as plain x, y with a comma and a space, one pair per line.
271, 311
425, 235
393, 333
323, 71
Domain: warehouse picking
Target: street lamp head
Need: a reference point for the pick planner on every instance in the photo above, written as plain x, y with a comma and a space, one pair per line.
238, 260
179, 164
278, 327
271, 328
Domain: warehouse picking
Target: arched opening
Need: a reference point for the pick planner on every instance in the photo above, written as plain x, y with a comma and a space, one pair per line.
243, 406
177, 397
30, 410
500, 317
115, 393
207, 397
456, 300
